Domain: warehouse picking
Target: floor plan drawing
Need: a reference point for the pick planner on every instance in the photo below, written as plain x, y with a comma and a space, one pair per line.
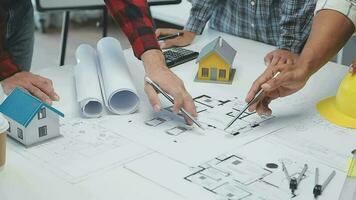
250, 172
169, 134
84, 148
215, 114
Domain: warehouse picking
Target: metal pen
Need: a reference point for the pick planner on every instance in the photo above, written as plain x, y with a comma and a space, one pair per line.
257, 97
167, 96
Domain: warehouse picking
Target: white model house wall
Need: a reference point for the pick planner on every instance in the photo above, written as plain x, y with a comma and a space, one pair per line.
30, 135
52, 123
13, 130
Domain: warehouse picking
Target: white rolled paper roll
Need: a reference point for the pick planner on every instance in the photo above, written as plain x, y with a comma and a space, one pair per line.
119, 92
87, 82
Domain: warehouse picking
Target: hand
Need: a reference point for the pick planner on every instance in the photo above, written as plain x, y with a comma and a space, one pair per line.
156, 69
179, 41
353, 68
291, 79
280, 56
36, 85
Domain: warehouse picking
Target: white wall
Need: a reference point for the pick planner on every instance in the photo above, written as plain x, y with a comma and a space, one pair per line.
13, 126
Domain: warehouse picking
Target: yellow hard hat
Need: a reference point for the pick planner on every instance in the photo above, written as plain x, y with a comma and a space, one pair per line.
341, 109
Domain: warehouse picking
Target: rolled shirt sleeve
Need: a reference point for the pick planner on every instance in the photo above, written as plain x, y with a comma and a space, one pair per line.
295, 24
346, 7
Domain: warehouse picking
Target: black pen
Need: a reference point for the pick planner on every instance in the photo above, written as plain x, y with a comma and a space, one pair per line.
170, 36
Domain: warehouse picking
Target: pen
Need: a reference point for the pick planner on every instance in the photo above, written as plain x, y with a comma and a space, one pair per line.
167, 96
257, 97
171, 36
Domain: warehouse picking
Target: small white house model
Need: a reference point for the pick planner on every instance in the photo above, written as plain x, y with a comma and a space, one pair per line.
30, 120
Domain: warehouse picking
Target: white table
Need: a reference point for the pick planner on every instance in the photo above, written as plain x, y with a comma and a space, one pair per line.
175, 14
25, 180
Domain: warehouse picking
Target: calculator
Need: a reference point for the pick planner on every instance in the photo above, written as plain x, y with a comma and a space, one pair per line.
176, 56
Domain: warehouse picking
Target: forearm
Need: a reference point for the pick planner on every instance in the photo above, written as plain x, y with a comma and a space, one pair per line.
330, 32
153, 61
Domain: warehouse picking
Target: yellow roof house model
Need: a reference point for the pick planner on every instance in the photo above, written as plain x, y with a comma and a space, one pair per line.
215, 62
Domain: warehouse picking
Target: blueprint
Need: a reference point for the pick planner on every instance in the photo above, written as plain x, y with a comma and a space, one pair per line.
252, 170
242, 163
168, 133
84, 148
97, 81
249, 172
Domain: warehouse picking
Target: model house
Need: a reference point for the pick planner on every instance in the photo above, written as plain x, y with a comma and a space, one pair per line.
215, 62
30, 120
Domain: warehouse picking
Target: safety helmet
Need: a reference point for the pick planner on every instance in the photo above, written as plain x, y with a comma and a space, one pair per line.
341, 109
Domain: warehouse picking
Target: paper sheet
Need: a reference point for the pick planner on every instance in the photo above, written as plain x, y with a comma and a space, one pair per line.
87, 82
119, 92
84, 150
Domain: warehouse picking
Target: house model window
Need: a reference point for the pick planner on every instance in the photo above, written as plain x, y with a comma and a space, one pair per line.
205, 72
42, 131
20, 133
222, 73
42, 113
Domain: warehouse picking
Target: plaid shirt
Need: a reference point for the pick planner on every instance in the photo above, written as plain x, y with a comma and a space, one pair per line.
346, 7
282, 23
132, 16
135, 21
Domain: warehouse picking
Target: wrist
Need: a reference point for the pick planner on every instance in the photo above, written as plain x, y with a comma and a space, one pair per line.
306, 67
153, 60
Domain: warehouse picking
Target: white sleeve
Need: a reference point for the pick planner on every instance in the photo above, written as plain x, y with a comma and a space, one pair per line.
346, 7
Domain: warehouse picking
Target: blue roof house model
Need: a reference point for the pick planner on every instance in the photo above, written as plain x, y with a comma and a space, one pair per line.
31, 120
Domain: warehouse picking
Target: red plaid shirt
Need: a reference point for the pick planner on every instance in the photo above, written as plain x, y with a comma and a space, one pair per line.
135, 21
132, 16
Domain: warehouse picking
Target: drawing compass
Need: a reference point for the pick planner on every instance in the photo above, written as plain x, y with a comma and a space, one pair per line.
318, 189
294, 182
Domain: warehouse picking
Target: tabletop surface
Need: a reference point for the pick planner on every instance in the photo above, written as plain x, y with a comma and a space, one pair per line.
22, 178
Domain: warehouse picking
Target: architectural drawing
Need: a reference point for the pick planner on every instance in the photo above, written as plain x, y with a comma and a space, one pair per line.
232, 177
250, 172
168, 133
85, 148
215, 114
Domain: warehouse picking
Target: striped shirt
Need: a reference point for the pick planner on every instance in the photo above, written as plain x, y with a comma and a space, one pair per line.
282, 23
346, 7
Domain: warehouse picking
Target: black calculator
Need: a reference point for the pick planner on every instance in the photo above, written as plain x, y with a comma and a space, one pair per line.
176, 56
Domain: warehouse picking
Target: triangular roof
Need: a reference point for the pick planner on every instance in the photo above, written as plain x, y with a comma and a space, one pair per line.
221, 47
22, 107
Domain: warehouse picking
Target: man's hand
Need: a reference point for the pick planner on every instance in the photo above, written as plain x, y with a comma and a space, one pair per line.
36, 85
180, 41
280, 56
291, 79
156, 69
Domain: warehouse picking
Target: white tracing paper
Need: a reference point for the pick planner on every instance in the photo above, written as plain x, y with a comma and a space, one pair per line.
87, 82
102, 77
119, 92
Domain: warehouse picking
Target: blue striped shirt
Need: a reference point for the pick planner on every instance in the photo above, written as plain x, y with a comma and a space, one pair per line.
282, 23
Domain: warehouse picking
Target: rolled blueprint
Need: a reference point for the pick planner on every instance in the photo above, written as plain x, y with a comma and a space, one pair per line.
119, 92
87, 82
